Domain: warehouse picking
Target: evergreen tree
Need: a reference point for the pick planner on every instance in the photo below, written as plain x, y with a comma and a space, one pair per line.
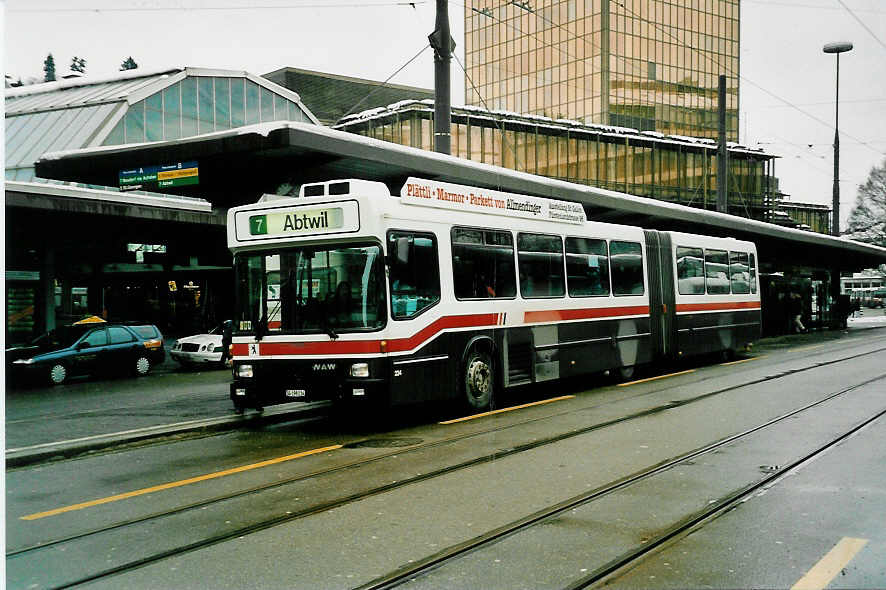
49, 68
78, 64
129, 64
867, 220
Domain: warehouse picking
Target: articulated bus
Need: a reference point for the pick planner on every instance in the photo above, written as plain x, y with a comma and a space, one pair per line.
447, 291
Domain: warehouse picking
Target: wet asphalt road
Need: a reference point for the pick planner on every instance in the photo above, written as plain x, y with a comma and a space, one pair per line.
836, 497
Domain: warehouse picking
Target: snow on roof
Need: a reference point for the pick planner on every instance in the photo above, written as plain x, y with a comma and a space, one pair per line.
571, 125
88, 81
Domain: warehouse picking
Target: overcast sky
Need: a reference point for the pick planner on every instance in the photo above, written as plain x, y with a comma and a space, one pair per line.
787, 83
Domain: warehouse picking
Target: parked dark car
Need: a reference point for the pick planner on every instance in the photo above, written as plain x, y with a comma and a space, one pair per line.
86, 349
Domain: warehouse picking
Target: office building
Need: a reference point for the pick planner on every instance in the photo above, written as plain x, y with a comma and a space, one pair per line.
651, 65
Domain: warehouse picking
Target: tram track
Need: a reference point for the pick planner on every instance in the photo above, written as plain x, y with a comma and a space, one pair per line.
717, 507
439, 442
344, 500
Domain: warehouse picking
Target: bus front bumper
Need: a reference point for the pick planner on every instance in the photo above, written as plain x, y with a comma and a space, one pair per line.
255, 394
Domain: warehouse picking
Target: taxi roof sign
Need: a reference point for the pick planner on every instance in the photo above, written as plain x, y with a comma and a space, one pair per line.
93, 319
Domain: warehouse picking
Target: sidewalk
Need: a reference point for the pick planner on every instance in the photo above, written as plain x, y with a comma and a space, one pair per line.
868, 318
65, 449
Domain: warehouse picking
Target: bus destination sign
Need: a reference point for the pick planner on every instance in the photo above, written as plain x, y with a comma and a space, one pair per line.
295, 222
304, 220
457, 197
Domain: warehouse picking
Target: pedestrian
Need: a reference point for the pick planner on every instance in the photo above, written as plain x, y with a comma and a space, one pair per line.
226, 342
795, 306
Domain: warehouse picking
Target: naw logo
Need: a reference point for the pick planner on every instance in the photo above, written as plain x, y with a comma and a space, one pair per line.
324, 366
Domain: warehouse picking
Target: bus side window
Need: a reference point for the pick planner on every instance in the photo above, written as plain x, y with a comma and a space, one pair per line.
716, 268
540, 261
690, 270
587, 267
415, 283
739, 272
483, 264
626, 263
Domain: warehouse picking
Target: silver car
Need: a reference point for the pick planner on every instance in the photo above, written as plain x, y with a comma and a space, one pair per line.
201, 349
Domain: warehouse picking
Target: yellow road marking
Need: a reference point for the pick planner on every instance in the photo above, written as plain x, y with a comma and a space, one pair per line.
830, 565
510, 409
753, 358
177, 484
656, 378
806, 348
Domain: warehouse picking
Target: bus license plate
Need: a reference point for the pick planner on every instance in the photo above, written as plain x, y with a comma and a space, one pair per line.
295, 393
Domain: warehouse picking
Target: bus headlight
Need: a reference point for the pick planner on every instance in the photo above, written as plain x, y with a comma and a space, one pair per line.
360, 370
244, 371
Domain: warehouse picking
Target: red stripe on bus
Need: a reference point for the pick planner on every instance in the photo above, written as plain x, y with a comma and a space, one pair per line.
725, 306
444, 323
369, 346
559, 315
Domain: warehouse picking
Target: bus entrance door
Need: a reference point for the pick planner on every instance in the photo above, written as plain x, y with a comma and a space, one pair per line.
662, 301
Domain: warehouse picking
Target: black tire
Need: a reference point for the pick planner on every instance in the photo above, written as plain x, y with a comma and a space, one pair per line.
142, 365
478, 380
57, 374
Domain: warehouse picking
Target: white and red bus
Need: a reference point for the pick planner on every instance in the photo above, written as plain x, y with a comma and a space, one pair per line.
449, 291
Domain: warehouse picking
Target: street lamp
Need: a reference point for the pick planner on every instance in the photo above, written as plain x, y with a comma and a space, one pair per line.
838, 48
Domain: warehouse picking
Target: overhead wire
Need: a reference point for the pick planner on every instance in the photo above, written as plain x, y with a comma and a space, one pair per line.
701, 53
745, 78
524, 7
801, 5
221, 7
500, 124
863, 24
383, 85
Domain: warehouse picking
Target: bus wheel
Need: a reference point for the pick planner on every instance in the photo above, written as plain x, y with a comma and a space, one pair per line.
479, 380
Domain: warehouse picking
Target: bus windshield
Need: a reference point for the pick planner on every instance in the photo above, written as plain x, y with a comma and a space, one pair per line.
310, 290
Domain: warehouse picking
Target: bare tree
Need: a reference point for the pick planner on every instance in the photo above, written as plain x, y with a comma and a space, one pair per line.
867, 221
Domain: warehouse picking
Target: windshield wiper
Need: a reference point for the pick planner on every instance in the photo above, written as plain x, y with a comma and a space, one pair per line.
328, 327
261, 327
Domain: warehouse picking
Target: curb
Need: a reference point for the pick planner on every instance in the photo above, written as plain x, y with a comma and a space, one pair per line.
55, 451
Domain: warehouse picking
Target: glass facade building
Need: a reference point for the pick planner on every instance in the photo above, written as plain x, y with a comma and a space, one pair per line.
645, 163
651, 65
137, 107
198, 105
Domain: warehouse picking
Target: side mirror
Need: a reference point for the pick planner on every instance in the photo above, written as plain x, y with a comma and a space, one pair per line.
82, 345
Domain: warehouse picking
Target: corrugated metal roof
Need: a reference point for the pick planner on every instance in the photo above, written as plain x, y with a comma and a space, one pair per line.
36, 133
84, 93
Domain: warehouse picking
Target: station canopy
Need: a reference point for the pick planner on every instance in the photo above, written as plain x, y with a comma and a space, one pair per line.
239, 165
